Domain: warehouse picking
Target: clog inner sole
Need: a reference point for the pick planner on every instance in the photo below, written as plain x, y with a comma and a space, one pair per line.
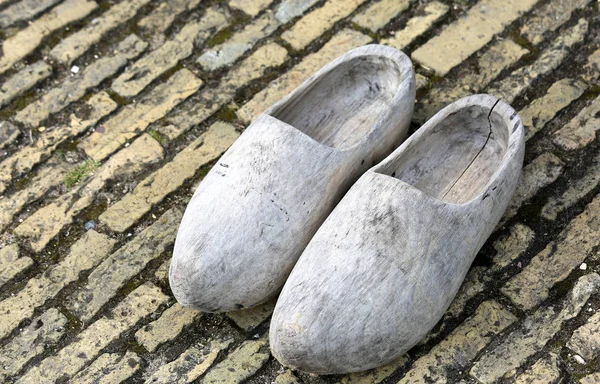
455, 160
343, 105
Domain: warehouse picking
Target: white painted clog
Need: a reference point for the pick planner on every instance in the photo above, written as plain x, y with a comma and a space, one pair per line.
256, 210
387, 262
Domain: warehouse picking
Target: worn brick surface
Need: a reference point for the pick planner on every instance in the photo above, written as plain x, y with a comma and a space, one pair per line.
417, 25
147, 94
76, 44
11, 264
106, 280
581, 130
240, 364
109, 368
24, 160
167, 327
457, 42
556, 261
521, 79
545, 370
378, 14
84, 254
536, 331
23, 80
73, 88
69, 360
48, 221
190, 364
27, 40
318, 21
157, 62
462, 345
586, 339
44, 332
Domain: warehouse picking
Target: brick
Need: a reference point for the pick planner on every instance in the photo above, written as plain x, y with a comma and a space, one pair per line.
109, 368
592, 68
114, 272
88, 344
44, 332
190, 365
24, 10
311, 26
549, 17
225, 54
162, 273
8, 133
240, 364
593, 378
342, 42
11, 264
286, 377
379, 14
541, 172
533, 334
461, 346
84, 254
512, 246
150, 67
520, 80
250, 318
457, 42
580, 131
499, 56
135, 118
251, 8
27, 40
23, 81
24, 160
417, 25
199, 108
577, 190
290, 9
585, 341
76, 44
209, 146
161, 17
168, 326
376, 375
545, 370
540, 111
556, 262
49, 176
74, 88
47, 222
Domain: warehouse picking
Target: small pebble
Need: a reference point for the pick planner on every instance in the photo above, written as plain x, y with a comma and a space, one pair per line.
90, 225
579, 359
75, 69
583, 266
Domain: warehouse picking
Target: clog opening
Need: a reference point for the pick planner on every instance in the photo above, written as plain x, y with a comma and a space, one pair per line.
342, 106
456, 159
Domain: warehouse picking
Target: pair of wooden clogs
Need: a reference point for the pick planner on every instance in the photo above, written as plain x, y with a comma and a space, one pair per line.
370, 250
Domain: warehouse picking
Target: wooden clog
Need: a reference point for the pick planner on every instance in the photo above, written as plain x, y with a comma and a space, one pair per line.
387, 262
256, 210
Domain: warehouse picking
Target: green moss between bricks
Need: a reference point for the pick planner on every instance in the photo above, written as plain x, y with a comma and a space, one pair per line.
157, 136
80, 172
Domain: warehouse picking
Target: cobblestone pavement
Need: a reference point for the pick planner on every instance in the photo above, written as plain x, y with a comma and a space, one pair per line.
111, 112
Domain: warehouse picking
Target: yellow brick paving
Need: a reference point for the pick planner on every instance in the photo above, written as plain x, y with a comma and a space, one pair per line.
153, 91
